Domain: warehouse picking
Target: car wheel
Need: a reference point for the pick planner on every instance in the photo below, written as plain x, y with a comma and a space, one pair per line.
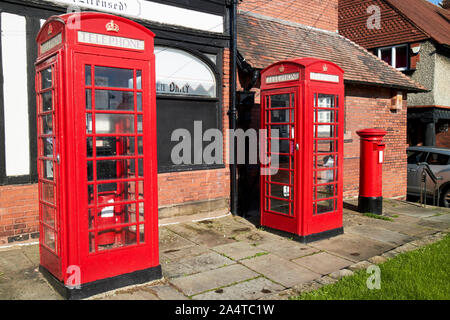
445, 198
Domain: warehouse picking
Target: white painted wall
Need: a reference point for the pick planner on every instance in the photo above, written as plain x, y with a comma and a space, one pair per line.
153, 11
15, 88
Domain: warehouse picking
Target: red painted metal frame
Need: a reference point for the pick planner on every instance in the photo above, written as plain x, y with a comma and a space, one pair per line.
305, 221
69, 59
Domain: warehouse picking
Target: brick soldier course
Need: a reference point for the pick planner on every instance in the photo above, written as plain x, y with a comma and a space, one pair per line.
230, 258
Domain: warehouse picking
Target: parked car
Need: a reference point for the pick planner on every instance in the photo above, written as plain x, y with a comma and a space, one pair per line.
438, 160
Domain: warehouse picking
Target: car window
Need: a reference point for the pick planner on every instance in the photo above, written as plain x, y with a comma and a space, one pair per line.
414, 157
438, 159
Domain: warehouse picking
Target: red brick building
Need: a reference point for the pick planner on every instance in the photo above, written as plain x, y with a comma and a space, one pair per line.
375, 92
414, 37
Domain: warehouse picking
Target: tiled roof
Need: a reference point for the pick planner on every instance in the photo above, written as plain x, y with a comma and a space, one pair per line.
433, 20
263, 41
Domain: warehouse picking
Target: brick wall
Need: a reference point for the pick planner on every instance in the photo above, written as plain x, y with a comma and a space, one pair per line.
369, 107
19, 213
316, 13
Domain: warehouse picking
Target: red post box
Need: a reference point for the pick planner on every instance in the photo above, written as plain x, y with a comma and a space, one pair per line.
96, 122
303, 99
371, 171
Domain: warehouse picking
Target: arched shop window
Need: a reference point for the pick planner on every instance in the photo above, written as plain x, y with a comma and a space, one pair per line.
187, 92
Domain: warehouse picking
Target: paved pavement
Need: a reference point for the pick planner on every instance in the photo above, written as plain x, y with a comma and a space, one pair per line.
231, 258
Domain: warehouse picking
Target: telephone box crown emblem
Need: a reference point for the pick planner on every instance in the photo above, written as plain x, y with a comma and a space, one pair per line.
111, 26
325, 68
50, 29
281, 69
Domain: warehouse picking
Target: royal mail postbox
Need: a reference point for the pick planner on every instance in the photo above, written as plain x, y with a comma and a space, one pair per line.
96, 122
302, 110
371, 171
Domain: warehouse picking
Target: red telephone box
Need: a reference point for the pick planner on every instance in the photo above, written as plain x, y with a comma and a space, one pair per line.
95, 85
304, 100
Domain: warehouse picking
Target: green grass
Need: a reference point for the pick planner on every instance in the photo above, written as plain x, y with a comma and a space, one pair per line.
376, 216
423, 274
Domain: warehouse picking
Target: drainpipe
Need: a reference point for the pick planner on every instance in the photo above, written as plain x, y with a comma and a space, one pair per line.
232, 112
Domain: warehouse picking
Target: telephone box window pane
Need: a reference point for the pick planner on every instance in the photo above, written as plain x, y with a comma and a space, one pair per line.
116, 191
46, 78
91, 242
279, 206
325, 176
141, 167
114, 100
141, 212
325, 146
48, 215
325, 101
139, 101
87, 75
279, 101
47, 169
89, 123
139, 124
90, 194
49, 238
90, 171
139, 79
114, 77
114, 146
116, 238
325, 131
47, 101
141, 233
325, 116
48, 193
88, 99
47, 144
114, 123
89, 147
324, 192
47, 124
280, 191
280, 116
283, 130
115, 169
325, 206
140, 145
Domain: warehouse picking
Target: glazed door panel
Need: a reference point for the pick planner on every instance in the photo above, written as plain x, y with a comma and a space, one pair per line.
279, 183
112, 113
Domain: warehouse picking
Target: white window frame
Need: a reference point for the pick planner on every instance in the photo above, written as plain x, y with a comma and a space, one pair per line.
394, 55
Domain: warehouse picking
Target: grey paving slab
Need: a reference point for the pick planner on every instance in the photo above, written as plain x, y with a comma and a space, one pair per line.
444, 218
32, 253
238, 250
280, 270
411, 210
26, 284
353, 247
247, 290
287, 249
190, 265
13, 261
200, 234
435, 223
201, 282
380, 234
257, 237
167, 292
323, 262
177, 254
169, 241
